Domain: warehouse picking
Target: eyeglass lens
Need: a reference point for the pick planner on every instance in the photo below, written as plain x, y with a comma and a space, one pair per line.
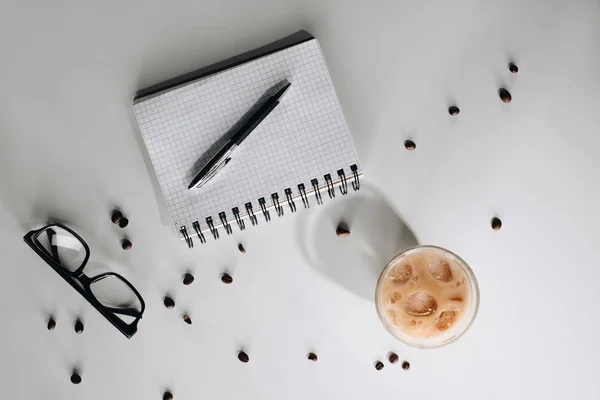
63, 247
117, 296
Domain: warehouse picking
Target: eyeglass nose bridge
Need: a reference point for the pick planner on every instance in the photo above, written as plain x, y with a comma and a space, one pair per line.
83, 278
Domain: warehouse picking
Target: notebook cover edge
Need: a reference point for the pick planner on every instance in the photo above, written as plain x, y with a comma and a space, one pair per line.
289, 41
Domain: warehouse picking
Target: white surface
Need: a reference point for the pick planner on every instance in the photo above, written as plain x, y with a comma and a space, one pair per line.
303, 138
68, 147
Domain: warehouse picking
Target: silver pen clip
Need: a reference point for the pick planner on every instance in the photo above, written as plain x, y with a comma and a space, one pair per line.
222, 162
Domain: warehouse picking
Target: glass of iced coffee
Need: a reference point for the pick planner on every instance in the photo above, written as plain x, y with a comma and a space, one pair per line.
427, 297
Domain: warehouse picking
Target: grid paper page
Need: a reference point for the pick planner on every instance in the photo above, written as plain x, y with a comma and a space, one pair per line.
304, 137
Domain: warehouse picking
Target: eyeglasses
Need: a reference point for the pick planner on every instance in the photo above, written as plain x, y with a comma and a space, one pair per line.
110, 293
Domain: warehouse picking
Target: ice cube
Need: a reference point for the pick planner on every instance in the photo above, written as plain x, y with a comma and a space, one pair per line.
420, 304
445, 320
401, 272
440, 269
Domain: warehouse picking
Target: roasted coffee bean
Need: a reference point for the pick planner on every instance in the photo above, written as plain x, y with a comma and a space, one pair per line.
453, 110
243, 357
126, 244
226, 278
241, 248
123, 222
75, 378
312, 357
169, 302
116, 216
505, 95
378, 365
410, 145
513, 68
405, 365
342, 230
51, 324
393, 358
78, 326
187, 319
496, 223
188, 279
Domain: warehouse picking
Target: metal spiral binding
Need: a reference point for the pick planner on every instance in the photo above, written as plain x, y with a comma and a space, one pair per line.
250, 212
188, 239
330, 187
238, 219
223, 218
344, 186
290, 200
356, 182
278, 208
211, 226
302, 191
196, 226
263, 207
315, 185
343, 180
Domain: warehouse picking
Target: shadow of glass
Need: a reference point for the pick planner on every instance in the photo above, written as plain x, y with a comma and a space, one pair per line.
355, 262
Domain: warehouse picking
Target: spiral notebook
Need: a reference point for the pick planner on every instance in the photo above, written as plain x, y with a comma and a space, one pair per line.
301, 154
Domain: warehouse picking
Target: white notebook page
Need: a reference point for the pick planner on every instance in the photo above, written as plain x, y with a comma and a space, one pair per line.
305, 137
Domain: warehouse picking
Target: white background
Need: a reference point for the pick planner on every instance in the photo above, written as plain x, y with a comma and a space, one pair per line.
70, 149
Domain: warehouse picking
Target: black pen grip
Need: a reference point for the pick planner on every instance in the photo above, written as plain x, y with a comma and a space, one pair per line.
255, 120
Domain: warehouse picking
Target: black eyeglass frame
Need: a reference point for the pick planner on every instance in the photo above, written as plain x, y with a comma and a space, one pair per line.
77, 276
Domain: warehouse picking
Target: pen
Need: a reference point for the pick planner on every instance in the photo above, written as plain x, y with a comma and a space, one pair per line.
223, 156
